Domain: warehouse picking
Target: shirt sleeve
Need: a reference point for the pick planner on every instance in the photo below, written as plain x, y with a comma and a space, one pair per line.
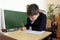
28, 23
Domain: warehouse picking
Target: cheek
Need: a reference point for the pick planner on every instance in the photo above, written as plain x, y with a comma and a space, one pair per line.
35, 18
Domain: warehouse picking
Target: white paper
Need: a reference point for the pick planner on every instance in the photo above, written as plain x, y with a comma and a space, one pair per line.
34, 32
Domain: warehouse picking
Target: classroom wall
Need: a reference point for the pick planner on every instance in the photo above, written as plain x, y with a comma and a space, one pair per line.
0, 20
56, 3
0, 14
20, 5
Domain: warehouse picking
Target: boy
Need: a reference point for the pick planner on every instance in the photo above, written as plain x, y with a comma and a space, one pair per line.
35, 20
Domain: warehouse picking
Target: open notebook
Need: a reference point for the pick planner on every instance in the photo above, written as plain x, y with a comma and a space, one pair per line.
34, 32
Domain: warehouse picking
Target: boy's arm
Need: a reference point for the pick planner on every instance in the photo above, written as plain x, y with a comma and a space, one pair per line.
28, 23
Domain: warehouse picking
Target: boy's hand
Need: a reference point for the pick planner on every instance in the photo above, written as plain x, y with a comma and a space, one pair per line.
24, 28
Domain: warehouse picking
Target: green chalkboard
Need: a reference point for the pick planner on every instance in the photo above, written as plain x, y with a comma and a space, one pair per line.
14, 19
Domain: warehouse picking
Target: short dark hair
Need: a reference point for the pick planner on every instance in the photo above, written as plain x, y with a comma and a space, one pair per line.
33, 9
27, 7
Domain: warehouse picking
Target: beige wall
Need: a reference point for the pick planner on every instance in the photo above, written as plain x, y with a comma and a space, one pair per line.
55, 2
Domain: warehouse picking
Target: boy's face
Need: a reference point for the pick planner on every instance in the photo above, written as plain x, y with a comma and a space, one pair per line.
34, 17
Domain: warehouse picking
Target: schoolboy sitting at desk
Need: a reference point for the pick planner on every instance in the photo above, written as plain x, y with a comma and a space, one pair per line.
36, 20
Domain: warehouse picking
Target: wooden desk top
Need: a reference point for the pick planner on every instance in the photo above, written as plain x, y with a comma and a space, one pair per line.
21, 35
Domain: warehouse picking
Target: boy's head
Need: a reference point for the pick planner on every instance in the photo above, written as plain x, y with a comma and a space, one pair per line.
27, 7
33, 11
